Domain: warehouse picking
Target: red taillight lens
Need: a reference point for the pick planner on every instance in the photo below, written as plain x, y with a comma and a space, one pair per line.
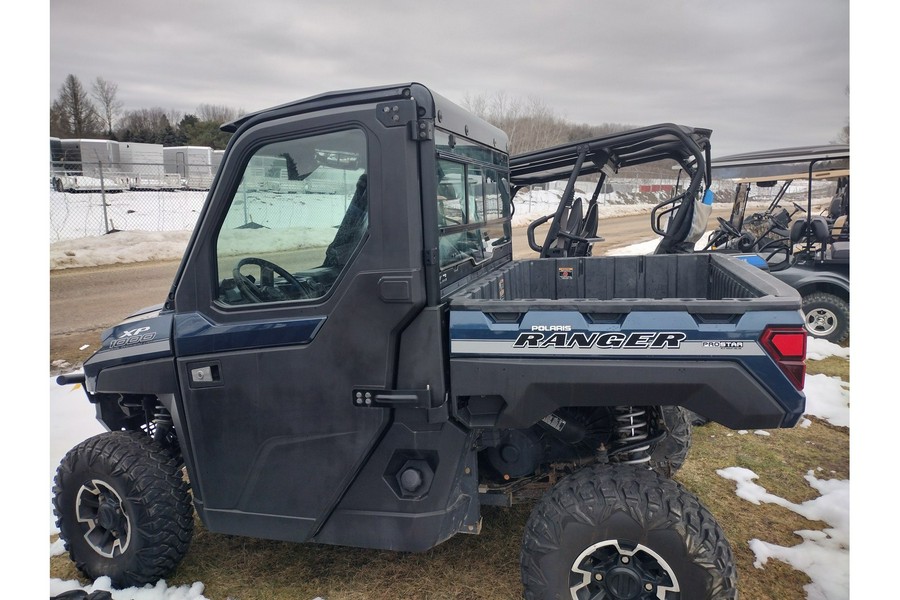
787, 345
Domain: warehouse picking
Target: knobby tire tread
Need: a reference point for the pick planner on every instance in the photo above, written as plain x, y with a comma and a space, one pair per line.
670, 454
153, 476
841, 309
592, 495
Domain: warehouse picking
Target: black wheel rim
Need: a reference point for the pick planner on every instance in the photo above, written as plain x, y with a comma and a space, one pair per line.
617, 570
104, 521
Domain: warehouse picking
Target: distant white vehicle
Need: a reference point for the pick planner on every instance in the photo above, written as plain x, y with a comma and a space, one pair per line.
137, 154
86, 165
193, 164
94, 164
83, 183
143, 166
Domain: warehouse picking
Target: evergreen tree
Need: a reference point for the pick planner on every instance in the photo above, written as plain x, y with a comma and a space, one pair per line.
72, 114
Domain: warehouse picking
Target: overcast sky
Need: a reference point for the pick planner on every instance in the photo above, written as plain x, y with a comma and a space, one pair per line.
761, 74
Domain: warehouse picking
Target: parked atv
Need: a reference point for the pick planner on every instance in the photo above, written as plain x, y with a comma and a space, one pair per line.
351, 355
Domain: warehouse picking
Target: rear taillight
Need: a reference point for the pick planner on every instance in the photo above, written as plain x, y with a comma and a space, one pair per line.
787, 346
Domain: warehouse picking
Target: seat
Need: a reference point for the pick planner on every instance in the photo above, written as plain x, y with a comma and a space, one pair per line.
840, 229
812, 231
588, 231
814, 228
351, 229
559, 241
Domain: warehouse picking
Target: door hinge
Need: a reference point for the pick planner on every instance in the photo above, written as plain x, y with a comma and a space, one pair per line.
430, 256
421, 130
370, 398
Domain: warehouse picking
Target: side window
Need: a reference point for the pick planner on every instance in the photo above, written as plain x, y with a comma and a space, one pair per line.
451, 195
296, 218
473, 212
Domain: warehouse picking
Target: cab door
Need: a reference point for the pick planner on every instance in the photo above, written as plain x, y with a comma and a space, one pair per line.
290, 302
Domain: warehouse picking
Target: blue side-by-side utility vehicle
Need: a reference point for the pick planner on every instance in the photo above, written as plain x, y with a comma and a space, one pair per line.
351, 355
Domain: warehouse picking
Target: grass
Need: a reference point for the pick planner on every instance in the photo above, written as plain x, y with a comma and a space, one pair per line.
486, 566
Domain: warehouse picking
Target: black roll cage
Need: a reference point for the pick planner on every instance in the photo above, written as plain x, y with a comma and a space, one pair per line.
687, 146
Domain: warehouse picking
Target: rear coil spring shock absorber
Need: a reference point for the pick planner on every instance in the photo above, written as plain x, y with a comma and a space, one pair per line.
632, 428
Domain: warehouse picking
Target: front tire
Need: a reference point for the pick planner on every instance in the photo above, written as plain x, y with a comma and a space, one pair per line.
624, 532
123, 508
827, 317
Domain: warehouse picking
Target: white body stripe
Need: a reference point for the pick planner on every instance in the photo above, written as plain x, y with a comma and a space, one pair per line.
686, 348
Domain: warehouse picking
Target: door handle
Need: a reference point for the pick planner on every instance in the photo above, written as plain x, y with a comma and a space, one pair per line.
205, 374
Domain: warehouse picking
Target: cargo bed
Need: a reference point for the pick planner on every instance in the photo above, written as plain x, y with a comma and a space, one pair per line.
538, 335
697, 283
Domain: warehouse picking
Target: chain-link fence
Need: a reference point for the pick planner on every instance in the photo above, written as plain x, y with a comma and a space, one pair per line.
95, 198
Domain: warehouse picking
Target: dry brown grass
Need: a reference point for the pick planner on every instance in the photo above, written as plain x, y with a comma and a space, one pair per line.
486, 567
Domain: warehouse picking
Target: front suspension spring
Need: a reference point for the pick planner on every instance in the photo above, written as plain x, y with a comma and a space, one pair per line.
163, 426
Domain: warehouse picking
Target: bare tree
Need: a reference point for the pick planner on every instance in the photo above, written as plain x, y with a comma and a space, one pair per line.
104, 93
216, 113
530, 124
58, 126
476, 104
148, 125
174, 116
73, 113
844, 134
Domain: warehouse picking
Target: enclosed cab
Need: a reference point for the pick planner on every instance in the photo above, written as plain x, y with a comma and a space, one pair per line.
350, 355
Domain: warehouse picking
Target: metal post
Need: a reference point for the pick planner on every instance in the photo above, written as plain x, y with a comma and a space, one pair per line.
103, 199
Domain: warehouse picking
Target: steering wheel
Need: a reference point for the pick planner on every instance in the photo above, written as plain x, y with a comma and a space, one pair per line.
728, 228
263, 293
798, 207
746, 242
716, 238
772, 250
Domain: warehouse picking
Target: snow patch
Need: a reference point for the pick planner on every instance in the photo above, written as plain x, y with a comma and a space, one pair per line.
160, 591
823, 555
828, 398
819, 349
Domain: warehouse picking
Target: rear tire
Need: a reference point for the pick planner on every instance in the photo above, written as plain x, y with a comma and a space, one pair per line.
827, 317
698, 420
123, 508
624, 532
668, 456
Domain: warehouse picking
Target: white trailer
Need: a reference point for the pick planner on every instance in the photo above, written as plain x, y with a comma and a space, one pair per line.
89, 165
217, 160
90, 153
138, 153
193, 164
143, 164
